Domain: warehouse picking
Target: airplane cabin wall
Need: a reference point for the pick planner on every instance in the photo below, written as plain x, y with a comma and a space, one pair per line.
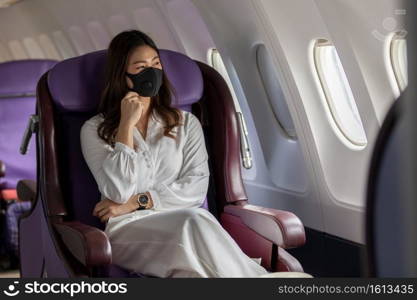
283, 179
367, 27
342, 172
337, 173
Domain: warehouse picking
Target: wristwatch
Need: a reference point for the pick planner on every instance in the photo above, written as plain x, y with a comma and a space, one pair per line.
143, 201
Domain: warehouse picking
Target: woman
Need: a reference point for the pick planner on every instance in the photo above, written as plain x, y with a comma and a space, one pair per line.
150, 163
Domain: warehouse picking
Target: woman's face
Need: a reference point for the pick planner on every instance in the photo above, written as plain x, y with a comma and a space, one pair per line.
142, 57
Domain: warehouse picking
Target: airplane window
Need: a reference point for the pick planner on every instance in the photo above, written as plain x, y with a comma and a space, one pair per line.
398, 54
80, 40
98, 35
17, 50
215, 60
4, 53
148, 20
48, 47
63, 45
118, 23
269, 76
33, 48
338, 94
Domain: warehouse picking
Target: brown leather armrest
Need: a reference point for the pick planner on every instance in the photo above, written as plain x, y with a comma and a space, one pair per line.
280, 227
287, 263
88, 244
26, 190
2, 169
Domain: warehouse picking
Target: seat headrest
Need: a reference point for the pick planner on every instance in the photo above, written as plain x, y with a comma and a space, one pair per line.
20, 77
75, 84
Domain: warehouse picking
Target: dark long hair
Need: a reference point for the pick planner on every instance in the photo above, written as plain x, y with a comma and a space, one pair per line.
115, 87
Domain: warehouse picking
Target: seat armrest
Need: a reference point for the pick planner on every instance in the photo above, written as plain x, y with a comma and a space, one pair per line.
287, 263
88, 244
26, 190
280, 227
2, 169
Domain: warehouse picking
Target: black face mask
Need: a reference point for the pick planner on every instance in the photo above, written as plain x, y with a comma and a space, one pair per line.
147, 83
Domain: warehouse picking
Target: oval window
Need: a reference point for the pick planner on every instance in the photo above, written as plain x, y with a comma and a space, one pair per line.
398, 53
338, 94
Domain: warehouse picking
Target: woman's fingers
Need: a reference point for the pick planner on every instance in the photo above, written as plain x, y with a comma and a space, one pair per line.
105, 217
100, 204
105, 207
132, 97
131, 93
132, 101
103, 212
96, 208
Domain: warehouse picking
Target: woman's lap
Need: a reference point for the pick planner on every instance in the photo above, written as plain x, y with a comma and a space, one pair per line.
171, 243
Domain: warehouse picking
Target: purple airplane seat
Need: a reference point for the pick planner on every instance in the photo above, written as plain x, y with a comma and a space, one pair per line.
17, 103
73, 241
18, 81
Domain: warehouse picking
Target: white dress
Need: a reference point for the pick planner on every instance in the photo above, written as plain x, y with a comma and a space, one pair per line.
176, 238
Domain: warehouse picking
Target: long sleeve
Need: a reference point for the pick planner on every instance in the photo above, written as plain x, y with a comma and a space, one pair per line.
190, 188
114, 169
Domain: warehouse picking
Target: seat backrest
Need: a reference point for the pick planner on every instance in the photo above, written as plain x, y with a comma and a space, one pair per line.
18, 80
217, 114
74, 86
387, 239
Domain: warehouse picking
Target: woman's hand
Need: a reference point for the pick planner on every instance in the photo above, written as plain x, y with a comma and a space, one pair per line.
131, 109
131, 112
107, 208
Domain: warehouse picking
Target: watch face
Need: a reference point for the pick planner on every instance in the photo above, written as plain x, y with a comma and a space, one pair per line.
143, 200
